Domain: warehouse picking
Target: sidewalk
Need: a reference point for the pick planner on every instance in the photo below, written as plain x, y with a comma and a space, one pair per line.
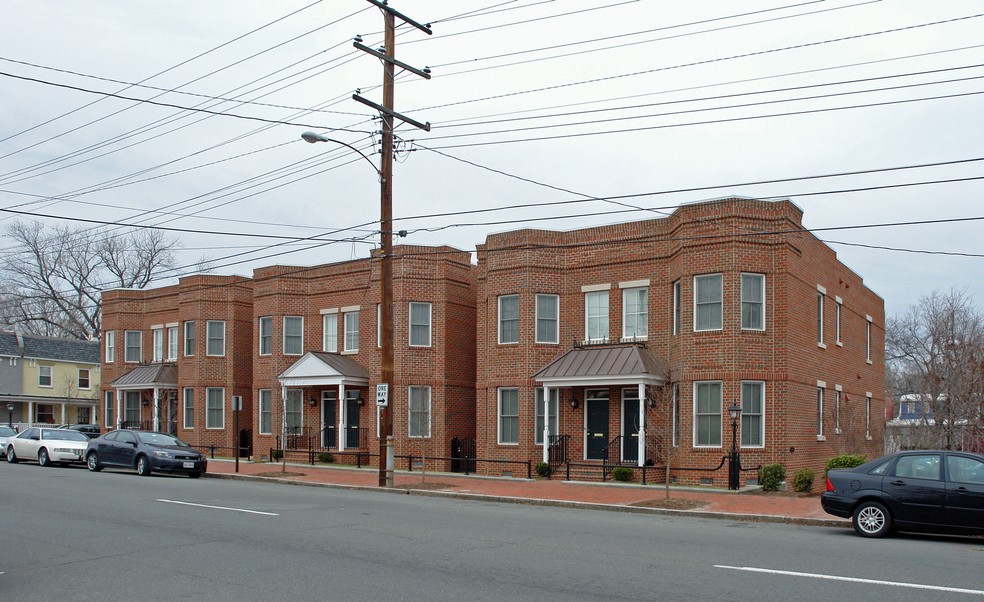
713, 503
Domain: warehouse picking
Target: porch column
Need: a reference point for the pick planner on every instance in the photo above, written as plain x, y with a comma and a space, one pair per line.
64, 414
546, 423
30, 414
157, 412
642, 425
119, 409
342, 417
283, 421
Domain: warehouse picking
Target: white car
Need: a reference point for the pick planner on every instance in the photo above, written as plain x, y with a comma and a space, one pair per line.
5, 433
47, 446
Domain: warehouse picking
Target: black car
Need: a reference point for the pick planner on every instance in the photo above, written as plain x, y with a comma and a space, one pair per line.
146, 451
89, 430
918, 490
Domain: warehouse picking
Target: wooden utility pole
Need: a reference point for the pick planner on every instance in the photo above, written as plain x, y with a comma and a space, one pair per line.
386, 371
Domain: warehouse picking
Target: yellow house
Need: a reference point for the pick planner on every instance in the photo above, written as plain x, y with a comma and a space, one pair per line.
47, 380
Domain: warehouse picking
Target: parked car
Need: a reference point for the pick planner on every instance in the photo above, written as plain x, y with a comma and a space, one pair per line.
47, 446
89, 430
145, 451
917, 490
5, 433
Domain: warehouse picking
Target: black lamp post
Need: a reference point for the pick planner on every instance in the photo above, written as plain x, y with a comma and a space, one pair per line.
10, 415
734, 457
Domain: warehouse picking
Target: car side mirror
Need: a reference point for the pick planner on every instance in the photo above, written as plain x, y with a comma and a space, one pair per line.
133, 443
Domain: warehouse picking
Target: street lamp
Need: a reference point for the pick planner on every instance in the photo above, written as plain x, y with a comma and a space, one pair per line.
734, 458
10, 415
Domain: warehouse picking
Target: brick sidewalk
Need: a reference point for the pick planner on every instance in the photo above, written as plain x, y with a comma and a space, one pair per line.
746, 506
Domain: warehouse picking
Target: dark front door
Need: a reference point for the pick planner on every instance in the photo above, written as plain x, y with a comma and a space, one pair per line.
329, 401
352, 436
597, 424
630, 430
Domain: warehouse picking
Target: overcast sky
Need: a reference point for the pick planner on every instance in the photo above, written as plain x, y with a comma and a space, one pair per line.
614, 104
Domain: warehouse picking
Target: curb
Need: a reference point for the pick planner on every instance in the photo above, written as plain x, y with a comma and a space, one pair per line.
484, 497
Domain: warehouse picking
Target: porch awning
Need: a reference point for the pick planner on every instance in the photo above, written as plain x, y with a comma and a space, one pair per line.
612, 365
154, 376
316, 368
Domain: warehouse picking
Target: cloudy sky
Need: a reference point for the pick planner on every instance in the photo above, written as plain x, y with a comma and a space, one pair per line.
188, 115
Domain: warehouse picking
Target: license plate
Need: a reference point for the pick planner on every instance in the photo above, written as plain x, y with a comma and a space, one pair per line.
189, 464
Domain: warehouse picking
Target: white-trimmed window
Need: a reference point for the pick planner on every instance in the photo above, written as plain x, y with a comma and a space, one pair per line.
110, 337
215, 337
329, 341
420, 411
266, 335
293, 335
85, 381
508, 319
265, 414
837, 409
110, 409
420, 326
838, 304
676, 307
867, 416
133, 341
676, 415
131, 409
188, 410
752, 414
635, 313
753, 301
596, 316
189, 338
158, 335
820, 413
295, 413
707, 414
44, 376
508, 416
708, 302
214, 408
172, 343
821, 293
552, 414
867, 339
547, 319
351, 334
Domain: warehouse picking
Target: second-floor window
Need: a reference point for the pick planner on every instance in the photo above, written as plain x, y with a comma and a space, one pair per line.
351, 330
330, 338
189, 341
84, 381
708, 302
676, 307
215, 335
420, 324
635, 313
172, 343
44, 376
509, 319
133, 342
596, 315
821, 293
266, 335
293, 335
753, 302
158, 344
547, 317
110, 336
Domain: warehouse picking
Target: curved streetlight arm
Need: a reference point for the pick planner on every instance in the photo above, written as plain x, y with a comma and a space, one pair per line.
313, 137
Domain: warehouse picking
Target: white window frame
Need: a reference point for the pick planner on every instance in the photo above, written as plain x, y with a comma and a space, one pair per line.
501, 416
189, 341
676, 307
552, 414
265, 327
109, 401
867, 338
414, 415
698, 415
264, 413
209, 338
500, 320
50, 372
547, 338
299, 337
821, 294
158, 347
421, 331
350, 332
719, 302
88, 379
867, 416
676, 415
329, 331
110, 336
641, 332
188, 408
127, 347
820, 389
838, 306
172, 343
837, 409
761, 290
598, 315
745, 415
210, 407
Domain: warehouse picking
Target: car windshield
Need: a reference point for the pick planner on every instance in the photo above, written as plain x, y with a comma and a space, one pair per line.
160, 439
6, 431
63, 435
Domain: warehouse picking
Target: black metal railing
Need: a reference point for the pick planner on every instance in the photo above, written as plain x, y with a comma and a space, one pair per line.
557, 450
324, 439
463, 454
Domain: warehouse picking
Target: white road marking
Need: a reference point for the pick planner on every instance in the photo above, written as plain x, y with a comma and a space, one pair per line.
938, 588
218, 507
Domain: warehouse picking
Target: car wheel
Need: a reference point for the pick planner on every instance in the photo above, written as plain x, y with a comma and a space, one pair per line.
143, 466
194, 475
11, 456
92, 462
872, 519
43, 458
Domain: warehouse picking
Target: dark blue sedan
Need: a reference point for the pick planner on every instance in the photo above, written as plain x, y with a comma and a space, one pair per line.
145, 451
917, 490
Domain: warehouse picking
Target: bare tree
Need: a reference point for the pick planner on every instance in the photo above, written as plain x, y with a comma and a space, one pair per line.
53, 276
936, 350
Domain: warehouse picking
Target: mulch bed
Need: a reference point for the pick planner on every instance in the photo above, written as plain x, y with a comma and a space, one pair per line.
671, 504
426, 485
276, 474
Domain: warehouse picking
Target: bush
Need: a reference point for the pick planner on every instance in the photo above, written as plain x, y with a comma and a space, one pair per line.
542, 469
622, 473
771, 476
326, 457
803, 480
276, 455
844, 461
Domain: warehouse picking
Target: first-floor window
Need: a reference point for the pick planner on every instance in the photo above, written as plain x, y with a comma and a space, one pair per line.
676, 414
819, 411
707, 411
108, 415
552, 414
189, 408
214, 408
837, 411
266, 412
420, 411
752, 414
295, 405
509, 416
867, 417
131, 409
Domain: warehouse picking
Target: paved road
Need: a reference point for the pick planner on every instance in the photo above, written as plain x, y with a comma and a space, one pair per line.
69, 534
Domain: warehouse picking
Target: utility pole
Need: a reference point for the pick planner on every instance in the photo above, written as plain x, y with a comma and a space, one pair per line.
385, 394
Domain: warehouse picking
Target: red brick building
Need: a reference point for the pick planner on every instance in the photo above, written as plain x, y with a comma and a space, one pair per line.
642, 334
